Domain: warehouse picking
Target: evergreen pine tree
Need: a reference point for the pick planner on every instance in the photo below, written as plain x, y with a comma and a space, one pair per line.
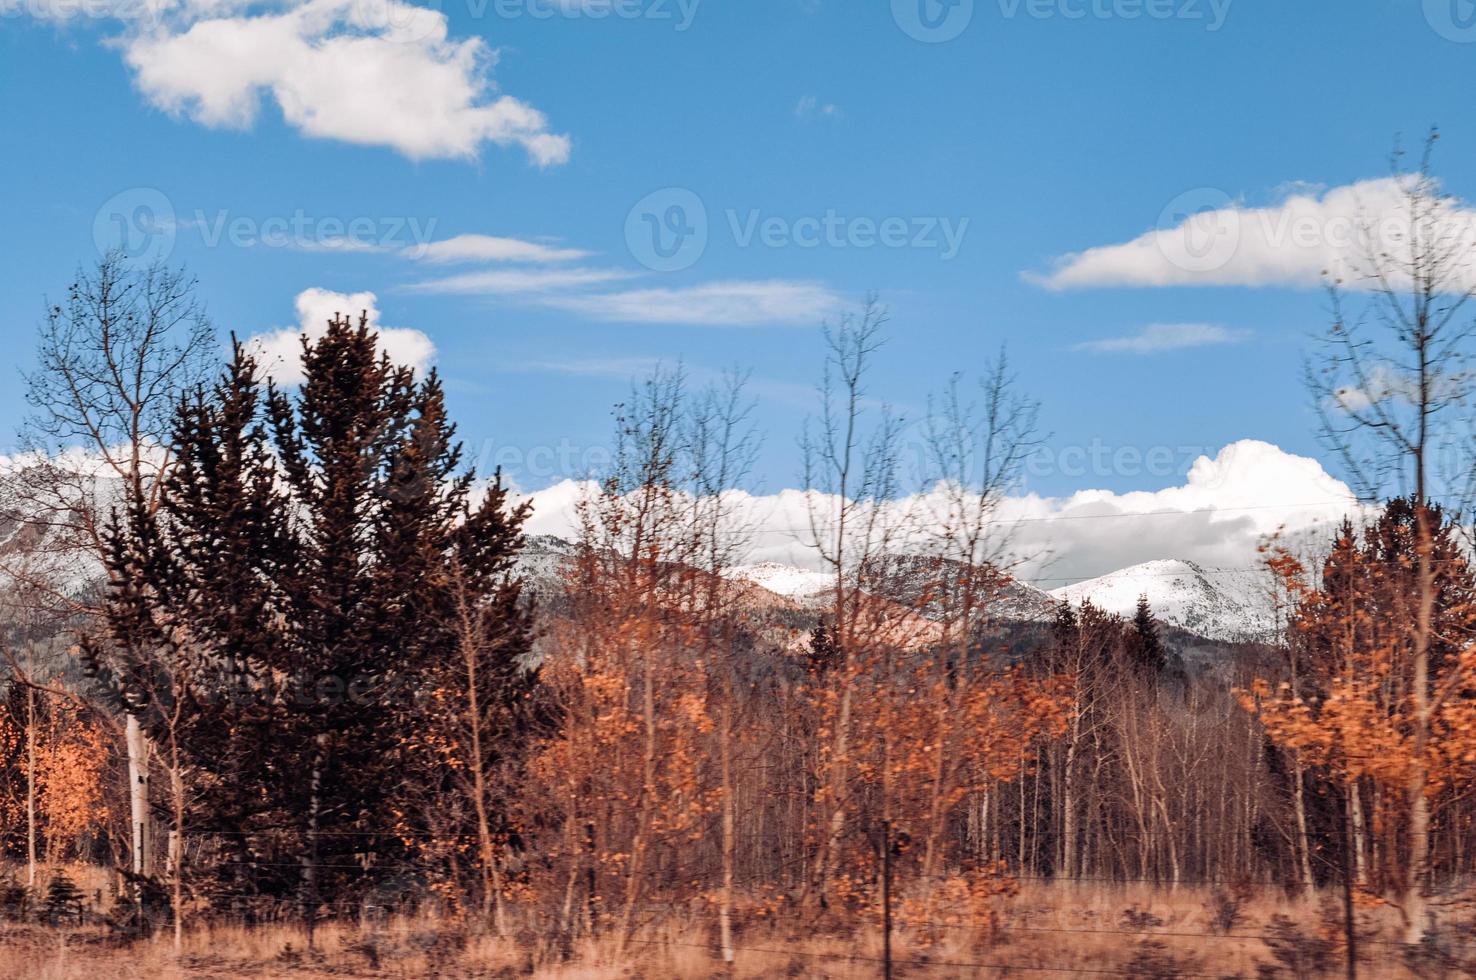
824, 650
63, 900
300, 577
1145, 646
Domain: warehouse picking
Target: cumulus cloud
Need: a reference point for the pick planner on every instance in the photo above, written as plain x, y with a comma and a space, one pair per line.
1206, 239
1217, 517
1157, 337
380, 73
490, 248
280, 352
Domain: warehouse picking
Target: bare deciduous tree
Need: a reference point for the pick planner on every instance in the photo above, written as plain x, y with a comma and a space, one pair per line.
113, 359
1389, 390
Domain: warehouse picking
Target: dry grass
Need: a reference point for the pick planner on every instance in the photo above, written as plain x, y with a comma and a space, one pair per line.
1046, 930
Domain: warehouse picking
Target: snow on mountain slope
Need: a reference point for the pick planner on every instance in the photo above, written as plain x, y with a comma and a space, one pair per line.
905, 581
1022, 602
786, 580
1216, 603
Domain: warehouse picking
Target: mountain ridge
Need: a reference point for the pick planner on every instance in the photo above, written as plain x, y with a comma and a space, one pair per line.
1224, 605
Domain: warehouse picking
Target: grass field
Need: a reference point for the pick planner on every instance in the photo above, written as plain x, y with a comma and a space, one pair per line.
1045, 930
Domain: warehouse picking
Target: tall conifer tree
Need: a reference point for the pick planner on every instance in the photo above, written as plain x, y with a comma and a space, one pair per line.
304, 575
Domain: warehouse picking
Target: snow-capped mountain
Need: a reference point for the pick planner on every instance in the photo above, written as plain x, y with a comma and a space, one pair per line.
1229, 605
803, 586
1215, 603
904, 580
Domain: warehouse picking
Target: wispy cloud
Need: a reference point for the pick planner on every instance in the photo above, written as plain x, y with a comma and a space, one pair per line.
491, 248
1158, 337
513, 282
732, 304
540, 278
809, 107
343, 244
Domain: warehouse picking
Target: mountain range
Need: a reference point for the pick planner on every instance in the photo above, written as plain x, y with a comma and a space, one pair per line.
1219, 604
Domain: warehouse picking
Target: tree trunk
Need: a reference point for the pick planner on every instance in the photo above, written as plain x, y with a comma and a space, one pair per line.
725, 908
1303, 843
138, 795
639, 845
1068, 801
487, 852
1418, 872
30, 788
837, 779
1356, 822
176, 850
310, 853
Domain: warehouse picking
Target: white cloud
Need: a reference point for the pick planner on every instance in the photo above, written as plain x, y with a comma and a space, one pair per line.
489, 248
808, 107
280, 352
510, 282
737, 303
1157, 337
574, 289
1217, 517
63, 11
1205, 239
338, 243
377, 73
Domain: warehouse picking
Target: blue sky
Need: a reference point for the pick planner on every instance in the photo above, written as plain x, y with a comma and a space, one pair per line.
1041, 130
